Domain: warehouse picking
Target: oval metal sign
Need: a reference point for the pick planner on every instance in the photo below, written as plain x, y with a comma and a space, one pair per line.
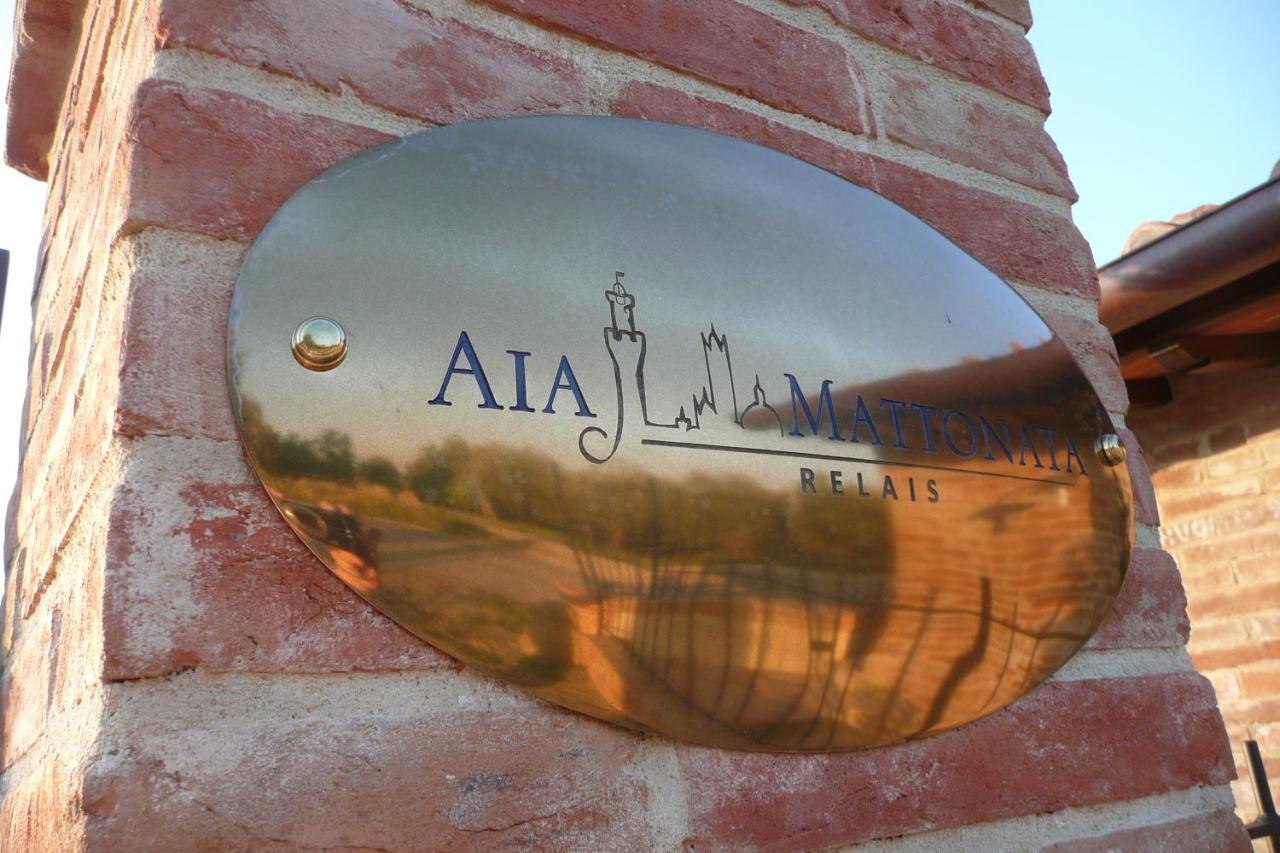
677, 431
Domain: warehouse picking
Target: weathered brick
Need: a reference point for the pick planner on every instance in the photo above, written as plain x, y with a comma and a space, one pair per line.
36, 813
950, 37
203, 572
1018, 11
1226, 684
1234, 601
724, 42
1064, 744
1212, 576
535, 778
1169, 455
1095, 353
1151, 610
1177, 533
1145, 509
1265, 625
1262, 711
1263, 512
1172, 477
1214, 632
1207, 496
1214, 832
1232, 463
1248, 652
1222, 549
953, 124
388, 53
173, 380
67, 448
1230, 436
1016, 240
24, 686
221, 164
1260, 683
42, 38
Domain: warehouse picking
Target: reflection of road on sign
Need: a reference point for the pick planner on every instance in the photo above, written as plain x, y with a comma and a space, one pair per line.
514, 621
748, 652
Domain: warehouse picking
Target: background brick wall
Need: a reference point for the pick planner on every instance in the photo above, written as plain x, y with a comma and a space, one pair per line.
1216, 455
180, 673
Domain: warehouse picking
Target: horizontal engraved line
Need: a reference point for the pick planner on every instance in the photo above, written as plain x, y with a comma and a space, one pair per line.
800, 454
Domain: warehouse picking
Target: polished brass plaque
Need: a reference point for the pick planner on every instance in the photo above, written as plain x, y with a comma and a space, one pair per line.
677, 431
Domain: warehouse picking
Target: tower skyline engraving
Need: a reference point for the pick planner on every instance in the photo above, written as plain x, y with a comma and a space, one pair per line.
628, 346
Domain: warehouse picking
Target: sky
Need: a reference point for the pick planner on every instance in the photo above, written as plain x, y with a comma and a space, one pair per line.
1158, 106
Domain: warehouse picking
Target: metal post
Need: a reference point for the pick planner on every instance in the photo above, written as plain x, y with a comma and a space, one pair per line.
1267, 823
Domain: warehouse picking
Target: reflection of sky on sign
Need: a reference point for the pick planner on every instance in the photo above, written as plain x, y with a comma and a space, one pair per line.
512, 232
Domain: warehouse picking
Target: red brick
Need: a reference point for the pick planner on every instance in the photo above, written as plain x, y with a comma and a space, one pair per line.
1214, 832
1178, 533
1018, 11
1064, 744
1226, 684
1169, 476
25, 686
387, 53
534, 779
1262, 712
1206, 402
1145, 509
1247, 652
1151, 610
1211, 632
949, 37
1226, 438
1168, 455
1254, 568
1233, 462
1261, 513
203, 572
36, 813
1235, 601
1224, 549
1207, 496
43, 36
1210, 578
222, 164
1015, 240
1095, 352
723, 42
66, 449
174, 379
951, 124
1265, 624
1260, 684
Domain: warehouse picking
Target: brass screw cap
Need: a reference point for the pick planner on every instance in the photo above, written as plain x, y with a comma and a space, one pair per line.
319, 344
1110, 449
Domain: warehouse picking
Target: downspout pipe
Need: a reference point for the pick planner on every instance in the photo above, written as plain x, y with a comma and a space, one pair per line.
1239, 238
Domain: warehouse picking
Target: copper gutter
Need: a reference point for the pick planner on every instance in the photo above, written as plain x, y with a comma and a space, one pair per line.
1238, 238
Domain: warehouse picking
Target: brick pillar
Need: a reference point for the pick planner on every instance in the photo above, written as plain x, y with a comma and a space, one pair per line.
180, 673
1216, 454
